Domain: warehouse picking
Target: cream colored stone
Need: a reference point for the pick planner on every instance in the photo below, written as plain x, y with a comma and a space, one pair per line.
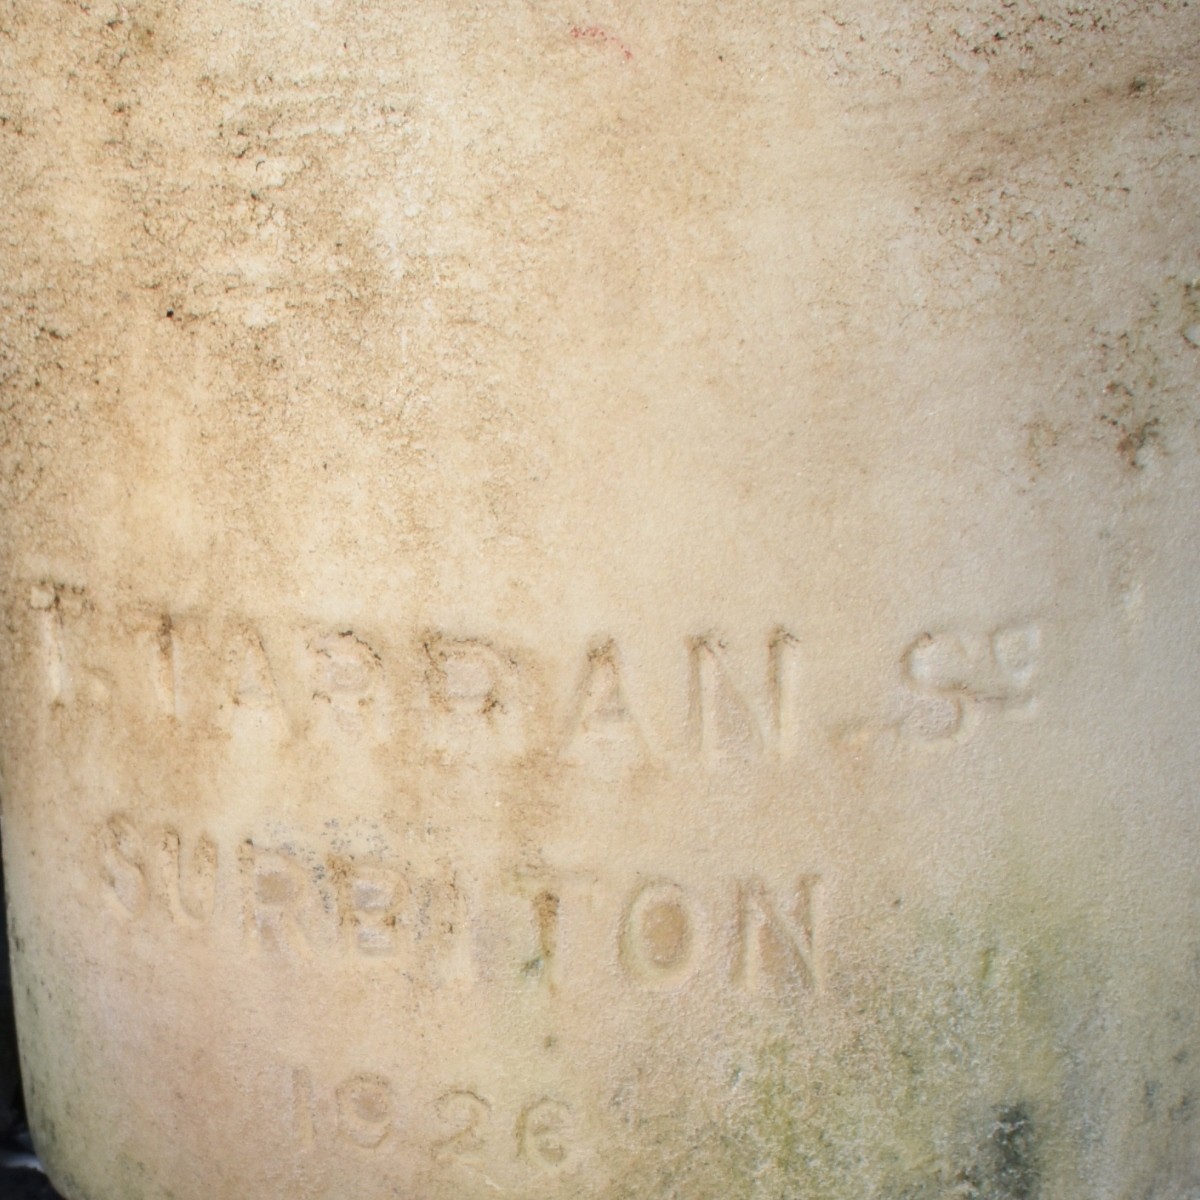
601, 601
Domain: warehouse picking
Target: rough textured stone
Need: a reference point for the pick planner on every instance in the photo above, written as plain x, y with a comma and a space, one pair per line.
600, 601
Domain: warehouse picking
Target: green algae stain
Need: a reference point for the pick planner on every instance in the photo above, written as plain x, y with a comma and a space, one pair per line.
775, 1115
1017, 1047
956, 1068
925, 1099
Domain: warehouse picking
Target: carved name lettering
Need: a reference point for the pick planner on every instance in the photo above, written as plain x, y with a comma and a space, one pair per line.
140, 871
296, 904
735, 702
960, 678
724, 723
659, 934
469, 690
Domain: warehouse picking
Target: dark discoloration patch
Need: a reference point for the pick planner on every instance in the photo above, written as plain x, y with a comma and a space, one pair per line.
1041, 441
1135, 432
1006, 1165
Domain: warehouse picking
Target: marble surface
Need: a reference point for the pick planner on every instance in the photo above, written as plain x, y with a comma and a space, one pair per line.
601, 600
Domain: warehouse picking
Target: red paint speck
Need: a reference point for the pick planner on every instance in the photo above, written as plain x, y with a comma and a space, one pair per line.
593, 33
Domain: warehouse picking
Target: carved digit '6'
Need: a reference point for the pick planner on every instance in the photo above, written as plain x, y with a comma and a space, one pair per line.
542, 1129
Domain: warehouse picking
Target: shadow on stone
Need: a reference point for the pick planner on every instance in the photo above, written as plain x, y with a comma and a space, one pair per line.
21, 1176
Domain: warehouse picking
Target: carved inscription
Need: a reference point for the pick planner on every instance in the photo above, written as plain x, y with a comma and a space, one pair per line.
373, 901
139, 871
166, 668
540, 1133
471, 689
724, 723
473, 698
734, 705
467, 676
543, 1133
958, 679
276, 890
602, 721
293, 111
123, 866
254, 681
545, 903
190, 885
346, 673
776, 940
44, 600
659, 933
299, 905
468, 1115
61, 613
785, 684
364, 1110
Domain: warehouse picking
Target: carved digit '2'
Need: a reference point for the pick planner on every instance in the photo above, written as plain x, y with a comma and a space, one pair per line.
469, 1114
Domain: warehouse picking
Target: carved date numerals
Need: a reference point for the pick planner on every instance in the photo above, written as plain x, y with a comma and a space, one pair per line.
361, 1112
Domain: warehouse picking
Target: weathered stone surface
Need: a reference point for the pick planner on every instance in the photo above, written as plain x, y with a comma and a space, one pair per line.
601, 601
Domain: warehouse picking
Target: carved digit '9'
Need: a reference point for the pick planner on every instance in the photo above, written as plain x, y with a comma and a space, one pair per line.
364, 1110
